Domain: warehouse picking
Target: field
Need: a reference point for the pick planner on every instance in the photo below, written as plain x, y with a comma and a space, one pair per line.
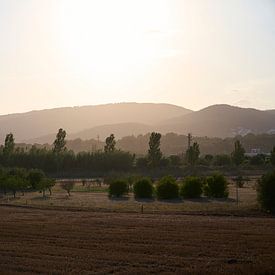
96, 198
71, 242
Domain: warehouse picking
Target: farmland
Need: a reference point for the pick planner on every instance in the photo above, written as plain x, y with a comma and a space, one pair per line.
96, 199
50, 241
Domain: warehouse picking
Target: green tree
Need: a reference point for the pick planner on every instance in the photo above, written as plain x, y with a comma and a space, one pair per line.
45, 184
154, 153
35, 177
110, 144
193, 153
68, 186
272, 156
238, 153
60, 142
9, 144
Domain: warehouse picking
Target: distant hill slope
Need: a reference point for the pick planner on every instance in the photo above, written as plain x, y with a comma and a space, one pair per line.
136, 118
119, 130
222, 121
36, 124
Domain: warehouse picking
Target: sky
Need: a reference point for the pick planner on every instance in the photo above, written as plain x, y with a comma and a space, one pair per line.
191, 53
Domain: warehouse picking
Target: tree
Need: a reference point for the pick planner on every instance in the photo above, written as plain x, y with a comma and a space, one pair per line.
35, 177
272, 156
154, 153
193, 153
68, 186
110, 144
60, 142
45, 184
9, 144
238, 153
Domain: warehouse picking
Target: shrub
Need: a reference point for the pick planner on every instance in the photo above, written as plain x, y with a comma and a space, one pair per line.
143, 188
167, 188
266, 192
191, 188
216, 186
67, 186
118, 188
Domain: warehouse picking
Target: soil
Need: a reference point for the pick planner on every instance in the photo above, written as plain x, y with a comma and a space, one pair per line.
83, 242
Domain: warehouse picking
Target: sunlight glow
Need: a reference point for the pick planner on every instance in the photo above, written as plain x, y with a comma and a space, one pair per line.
102, 37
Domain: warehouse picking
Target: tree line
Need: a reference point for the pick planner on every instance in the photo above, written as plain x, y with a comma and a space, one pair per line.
60, 161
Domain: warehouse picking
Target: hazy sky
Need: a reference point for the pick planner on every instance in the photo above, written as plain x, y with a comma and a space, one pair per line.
191, 53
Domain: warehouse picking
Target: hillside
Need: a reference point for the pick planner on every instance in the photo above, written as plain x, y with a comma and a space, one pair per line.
126, 119
222, 121
37, 124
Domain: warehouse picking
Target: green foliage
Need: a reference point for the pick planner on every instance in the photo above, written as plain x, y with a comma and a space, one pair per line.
67, 186
167, 188
142, 162
110, 144
154, 153
143, 188
60, 142
272, 156
175, 160
257, 160
216, 186
222, 160
192, 154
266, 192
45, 184
35, 177
16, 183
238, 155
118, 188
69, 163
191, 187
9, 144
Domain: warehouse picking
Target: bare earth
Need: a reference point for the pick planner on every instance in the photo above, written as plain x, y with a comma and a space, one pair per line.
77, 242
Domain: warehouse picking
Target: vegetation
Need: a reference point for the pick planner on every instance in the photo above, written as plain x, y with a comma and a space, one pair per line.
60, 142
143, 188
110, 144
266, 192
68, 186
167, 188
191, 188
118, 188
272, 156
216, 186
18, 179
238, 153
193, 153
154, 153
9, 144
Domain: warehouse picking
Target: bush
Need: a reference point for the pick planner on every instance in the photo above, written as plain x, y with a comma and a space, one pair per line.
216, 186
266, 192
191, 188
67, 186
118, 188
167, 188
143, 188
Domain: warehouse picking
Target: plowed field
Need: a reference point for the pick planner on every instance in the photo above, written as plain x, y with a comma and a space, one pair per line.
67, 242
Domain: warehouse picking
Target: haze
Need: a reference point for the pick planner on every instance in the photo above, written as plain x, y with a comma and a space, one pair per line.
189, 53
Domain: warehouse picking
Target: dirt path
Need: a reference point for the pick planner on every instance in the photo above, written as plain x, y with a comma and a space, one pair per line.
42, 241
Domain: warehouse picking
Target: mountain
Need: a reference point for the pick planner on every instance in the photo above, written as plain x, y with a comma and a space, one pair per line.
119, 130
37, 124
222, 121
126, 119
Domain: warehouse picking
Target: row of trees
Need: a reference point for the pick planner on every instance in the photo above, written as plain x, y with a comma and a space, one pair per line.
21, 180
215, 186
61, 161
